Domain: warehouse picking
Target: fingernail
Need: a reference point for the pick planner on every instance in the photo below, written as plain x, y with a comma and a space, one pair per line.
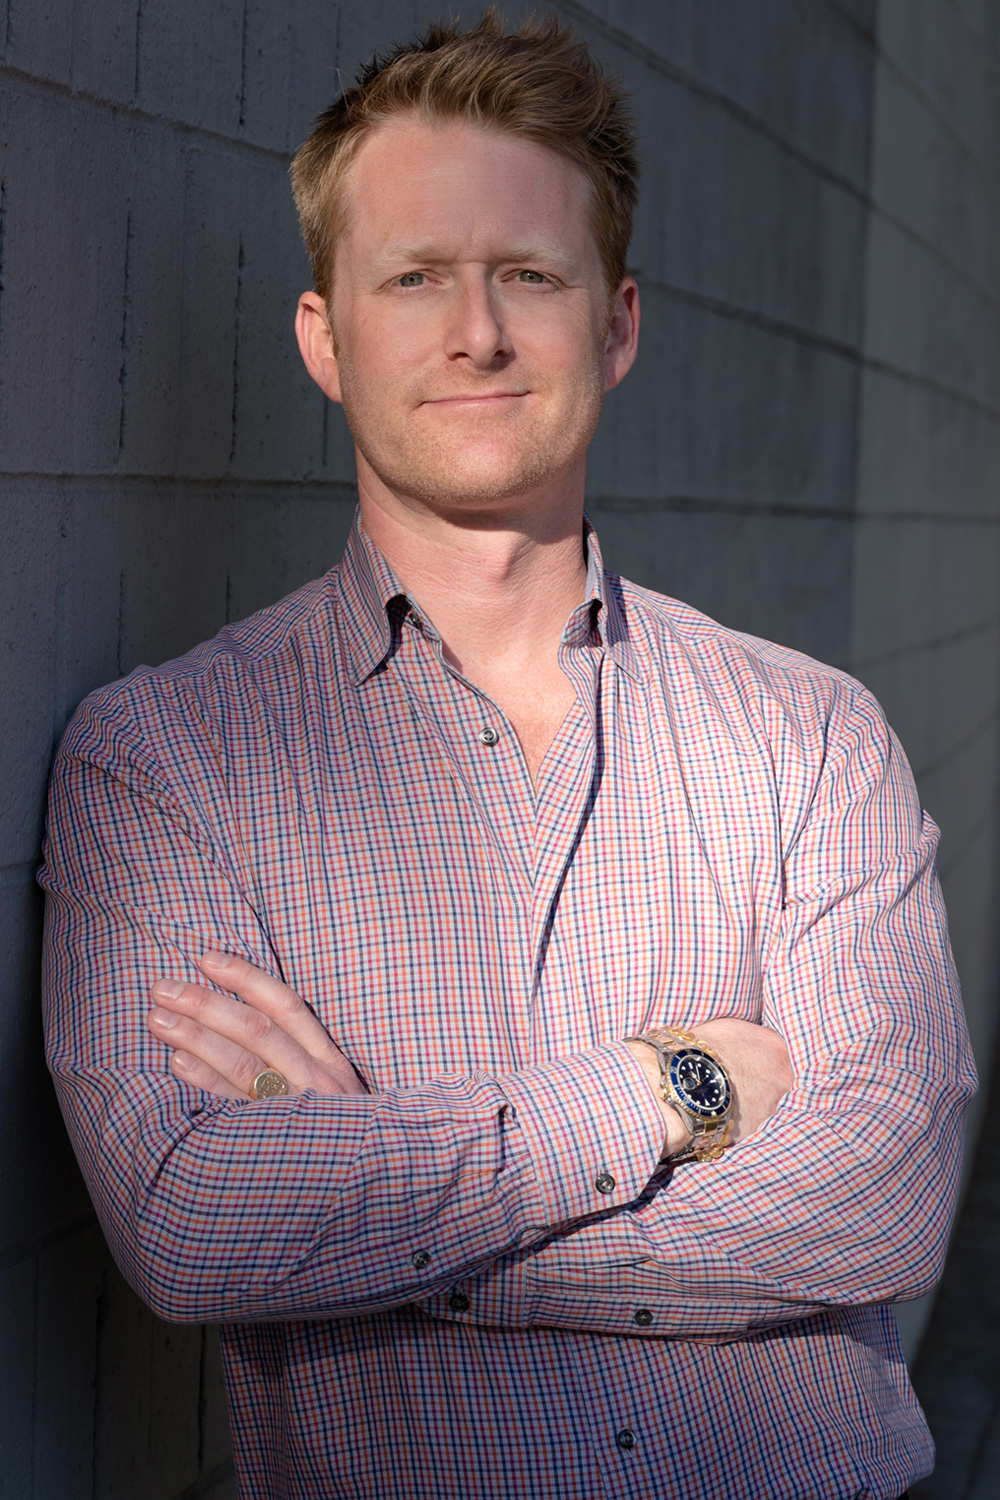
163, 1018
167, 989
217, 960
183, 1061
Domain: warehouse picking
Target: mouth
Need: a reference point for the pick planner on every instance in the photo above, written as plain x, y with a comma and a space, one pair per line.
477, 401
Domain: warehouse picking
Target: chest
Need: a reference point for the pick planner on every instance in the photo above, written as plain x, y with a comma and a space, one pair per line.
442, 914
534, 704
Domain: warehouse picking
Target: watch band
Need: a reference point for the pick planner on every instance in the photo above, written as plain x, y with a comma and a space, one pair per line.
709, 1137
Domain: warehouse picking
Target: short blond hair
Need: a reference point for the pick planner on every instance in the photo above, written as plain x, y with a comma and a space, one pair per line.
538, 82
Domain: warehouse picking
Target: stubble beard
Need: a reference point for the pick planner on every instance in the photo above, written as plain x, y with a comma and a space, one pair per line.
427, 467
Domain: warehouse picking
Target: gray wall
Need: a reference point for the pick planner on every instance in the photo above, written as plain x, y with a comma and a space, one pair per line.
809, 449
925, 611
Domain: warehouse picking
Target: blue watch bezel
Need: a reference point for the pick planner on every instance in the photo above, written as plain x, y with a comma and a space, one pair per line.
703, 1111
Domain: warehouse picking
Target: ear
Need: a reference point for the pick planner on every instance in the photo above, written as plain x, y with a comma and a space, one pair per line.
622, 340
316, 345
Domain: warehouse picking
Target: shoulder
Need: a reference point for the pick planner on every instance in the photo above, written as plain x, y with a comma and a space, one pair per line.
801, 714
209, 682
770, 717
669, 634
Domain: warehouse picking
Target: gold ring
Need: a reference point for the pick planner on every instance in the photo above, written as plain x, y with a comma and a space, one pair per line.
268, 1085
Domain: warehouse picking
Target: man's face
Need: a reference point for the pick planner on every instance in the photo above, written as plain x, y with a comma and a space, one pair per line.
470, 317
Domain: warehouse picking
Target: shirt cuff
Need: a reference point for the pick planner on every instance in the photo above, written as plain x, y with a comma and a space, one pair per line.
592, 1126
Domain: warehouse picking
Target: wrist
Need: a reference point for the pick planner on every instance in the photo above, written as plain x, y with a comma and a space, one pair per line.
677, 1134
694, 1083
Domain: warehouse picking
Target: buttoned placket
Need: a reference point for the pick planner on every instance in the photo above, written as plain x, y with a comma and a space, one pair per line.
534, 831
482, 745
541, 823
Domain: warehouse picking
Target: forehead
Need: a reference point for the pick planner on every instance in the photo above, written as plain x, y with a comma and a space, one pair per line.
420, 182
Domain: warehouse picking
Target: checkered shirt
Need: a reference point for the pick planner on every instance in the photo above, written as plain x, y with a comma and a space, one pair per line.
424, 1292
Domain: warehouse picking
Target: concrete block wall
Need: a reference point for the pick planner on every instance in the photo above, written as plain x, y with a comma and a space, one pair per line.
731, 483
926, 596
808, 449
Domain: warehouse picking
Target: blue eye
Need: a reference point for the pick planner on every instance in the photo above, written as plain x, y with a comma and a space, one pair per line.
412, 278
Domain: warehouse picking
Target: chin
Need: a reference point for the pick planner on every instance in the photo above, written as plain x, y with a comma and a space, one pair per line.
475, 488
454, 479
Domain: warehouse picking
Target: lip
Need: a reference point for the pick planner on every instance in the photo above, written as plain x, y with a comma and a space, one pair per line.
487, 398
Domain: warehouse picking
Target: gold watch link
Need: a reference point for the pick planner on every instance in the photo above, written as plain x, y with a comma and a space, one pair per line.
709, 1137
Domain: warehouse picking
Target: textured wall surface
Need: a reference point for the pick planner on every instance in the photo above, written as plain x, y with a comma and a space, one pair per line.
926, 595
809, 449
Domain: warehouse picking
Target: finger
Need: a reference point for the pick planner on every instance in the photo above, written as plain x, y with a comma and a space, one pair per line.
224, 1022
216, 1056
268, 995
256, 1036
192, 1070
280, 1003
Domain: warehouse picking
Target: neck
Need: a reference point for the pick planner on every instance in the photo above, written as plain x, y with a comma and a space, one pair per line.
497, 588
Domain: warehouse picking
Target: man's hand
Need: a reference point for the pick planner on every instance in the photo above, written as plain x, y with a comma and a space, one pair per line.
759, 1069
222, 1045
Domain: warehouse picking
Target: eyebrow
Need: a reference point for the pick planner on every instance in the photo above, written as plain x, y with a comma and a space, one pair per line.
430, 252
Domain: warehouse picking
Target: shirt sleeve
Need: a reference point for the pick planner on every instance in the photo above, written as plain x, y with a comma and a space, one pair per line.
312, 1206
846, 1195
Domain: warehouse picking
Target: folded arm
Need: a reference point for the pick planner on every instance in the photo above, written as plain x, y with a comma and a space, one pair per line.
847, 1194
338, 1203
318, 1204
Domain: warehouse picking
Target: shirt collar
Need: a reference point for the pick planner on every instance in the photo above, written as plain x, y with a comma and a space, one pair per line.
603, 600
368, 588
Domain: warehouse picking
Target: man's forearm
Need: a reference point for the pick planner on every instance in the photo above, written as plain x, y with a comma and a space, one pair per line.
798, 1218
333, 1204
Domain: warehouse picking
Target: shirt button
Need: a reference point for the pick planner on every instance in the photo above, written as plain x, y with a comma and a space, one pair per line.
644, 1317
626, 1439
489, 736
458, 1302
605, 1183
420, 1258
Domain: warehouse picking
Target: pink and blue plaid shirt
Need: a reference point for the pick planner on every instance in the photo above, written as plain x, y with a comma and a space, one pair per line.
475, 1282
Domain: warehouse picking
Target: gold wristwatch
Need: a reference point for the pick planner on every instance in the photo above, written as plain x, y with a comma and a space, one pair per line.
694, 1083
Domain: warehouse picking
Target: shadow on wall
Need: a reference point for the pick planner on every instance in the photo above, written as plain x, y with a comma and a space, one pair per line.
167, 466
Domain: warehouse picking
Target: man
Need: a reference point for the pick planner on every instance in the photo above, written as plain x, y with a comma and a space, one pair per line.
524, 878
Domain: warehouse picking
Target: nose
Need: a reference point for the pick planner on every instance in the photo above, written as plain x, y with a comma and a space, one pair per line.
477, 330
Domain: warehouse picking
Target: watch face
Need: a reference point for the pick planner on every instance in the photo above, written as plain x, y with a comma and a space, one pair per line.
701, 1085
